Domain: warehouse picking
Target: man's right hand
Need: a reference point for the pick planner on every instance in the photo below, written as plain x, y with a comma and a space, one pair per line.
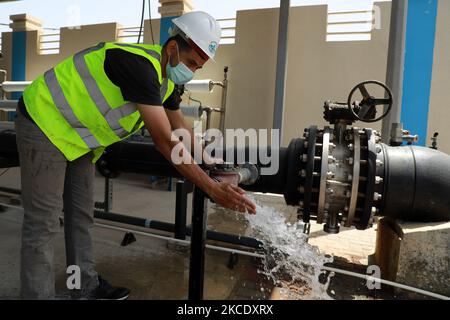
232, 197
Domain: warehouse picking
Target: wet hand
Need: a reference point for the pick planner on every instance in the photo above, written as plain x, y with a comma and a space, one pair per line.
232, 197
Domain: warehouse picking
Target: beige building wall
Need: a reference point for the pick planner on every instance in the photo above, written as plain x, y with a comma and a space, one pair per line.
317, 70
74, 40
439, 115
6, 60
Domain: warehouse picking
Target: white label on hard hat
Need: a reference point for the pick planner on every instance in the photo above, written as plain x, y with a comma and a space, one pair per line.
213, 47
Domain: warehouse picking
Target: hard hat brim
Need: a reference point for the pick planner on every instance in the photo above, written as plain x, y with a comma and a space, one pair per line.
186, 34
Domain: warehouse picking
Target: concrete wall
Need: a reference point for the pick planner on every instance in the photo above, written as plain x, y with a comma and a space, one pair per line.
6, 60
318, 70
439, 115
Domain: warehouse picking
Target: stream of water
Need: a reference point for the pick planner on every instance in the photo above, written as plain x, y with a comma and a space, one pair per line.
290, 261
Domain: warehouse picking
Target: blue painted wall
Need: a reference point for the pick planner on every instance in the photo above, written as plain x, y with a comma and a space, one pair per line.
19, 57
419, 56
166, 24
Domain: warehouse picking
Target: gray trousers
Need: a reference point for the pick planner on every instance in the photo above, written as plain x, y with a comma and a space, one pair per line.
52, 185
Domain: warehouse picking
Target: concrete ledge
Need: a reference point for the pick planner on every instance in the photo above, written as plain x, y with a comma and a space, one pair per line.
415, 254
170, 8
24, 22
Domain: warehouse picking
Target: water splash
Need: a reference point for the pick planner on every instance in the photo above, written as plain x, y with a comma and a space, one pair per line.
290, 261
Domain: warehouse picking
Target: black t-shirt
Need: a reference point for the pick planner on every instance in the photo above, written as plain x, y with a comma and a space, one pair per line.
136, 77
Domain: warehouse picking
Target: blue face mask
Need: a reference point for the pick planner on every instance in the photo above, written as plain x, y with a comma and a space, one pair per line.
180, 74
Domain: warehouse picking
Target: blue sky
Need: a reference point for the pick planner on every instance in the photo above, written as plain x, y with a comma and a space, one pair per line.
58, 13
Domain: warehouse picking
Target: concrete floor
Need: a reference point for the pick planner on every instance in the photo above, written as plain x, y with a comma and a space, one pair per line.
142, 265
149, 267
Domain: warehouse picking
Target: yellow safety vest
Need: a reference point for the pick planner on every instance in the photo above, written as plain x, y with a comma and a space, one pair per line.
79, 109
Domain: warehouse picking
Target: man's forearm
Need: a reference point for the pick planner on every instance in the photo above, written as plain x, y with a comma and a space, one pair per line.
159, 127
189, 169
177, 121
195, 146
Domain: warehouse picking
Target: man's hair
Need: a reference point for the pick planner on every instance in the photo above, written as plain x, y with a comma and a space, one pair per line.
183, 46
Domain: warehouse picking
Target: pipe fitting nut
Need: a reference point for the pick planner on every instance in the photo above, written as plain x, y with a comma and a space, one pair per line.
378, 180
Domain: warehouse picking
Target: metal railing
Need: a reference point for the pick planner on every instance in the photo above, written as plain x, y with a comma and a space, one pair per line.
49, 43
129, 34
228, 30
350, 26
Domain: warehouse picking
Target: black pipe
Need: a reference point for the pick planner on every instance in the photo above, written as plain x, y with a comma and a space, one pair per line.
181, 209
8, 146
135, 221
10, 190
198, 244
417, 179
169, 227
138, 157
9, 157
417, 184
143, 157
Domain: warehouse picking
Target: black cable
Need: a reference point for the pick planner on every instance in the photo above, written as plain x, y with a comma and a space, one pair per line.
142, 22
150, 18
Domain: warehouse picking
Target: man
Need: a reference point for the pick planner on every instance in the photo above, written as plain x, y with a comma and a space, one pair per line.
69, 115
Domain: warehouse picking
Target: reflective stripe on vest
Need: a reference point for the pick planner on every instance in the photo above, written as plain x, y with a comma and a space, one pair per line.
164, 88
111, 115
154, 54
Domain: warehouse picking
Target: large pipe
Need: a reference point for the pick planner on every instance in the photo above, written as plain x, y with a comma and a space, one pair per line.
417, 184
414, 180
143, 157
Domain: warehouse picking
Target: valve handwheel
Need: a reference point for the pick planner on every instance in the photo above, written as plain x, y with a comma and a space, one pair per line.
365, 110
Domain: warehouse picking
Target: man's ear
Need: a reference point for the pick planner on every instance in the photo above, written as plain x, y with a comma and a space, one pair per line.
171, 47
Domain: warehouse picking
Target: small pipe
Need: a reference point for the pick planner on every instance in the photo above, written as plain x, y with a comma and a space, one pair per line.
170, 239
169, 227
218, 83
15, 86
185, 242
223, 106
162, 226
389, 283
8, 103
135, 221
10, 190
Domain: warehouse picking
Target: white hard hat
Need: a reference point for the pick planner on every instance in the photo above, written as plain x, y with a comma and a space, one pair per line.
202, 29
